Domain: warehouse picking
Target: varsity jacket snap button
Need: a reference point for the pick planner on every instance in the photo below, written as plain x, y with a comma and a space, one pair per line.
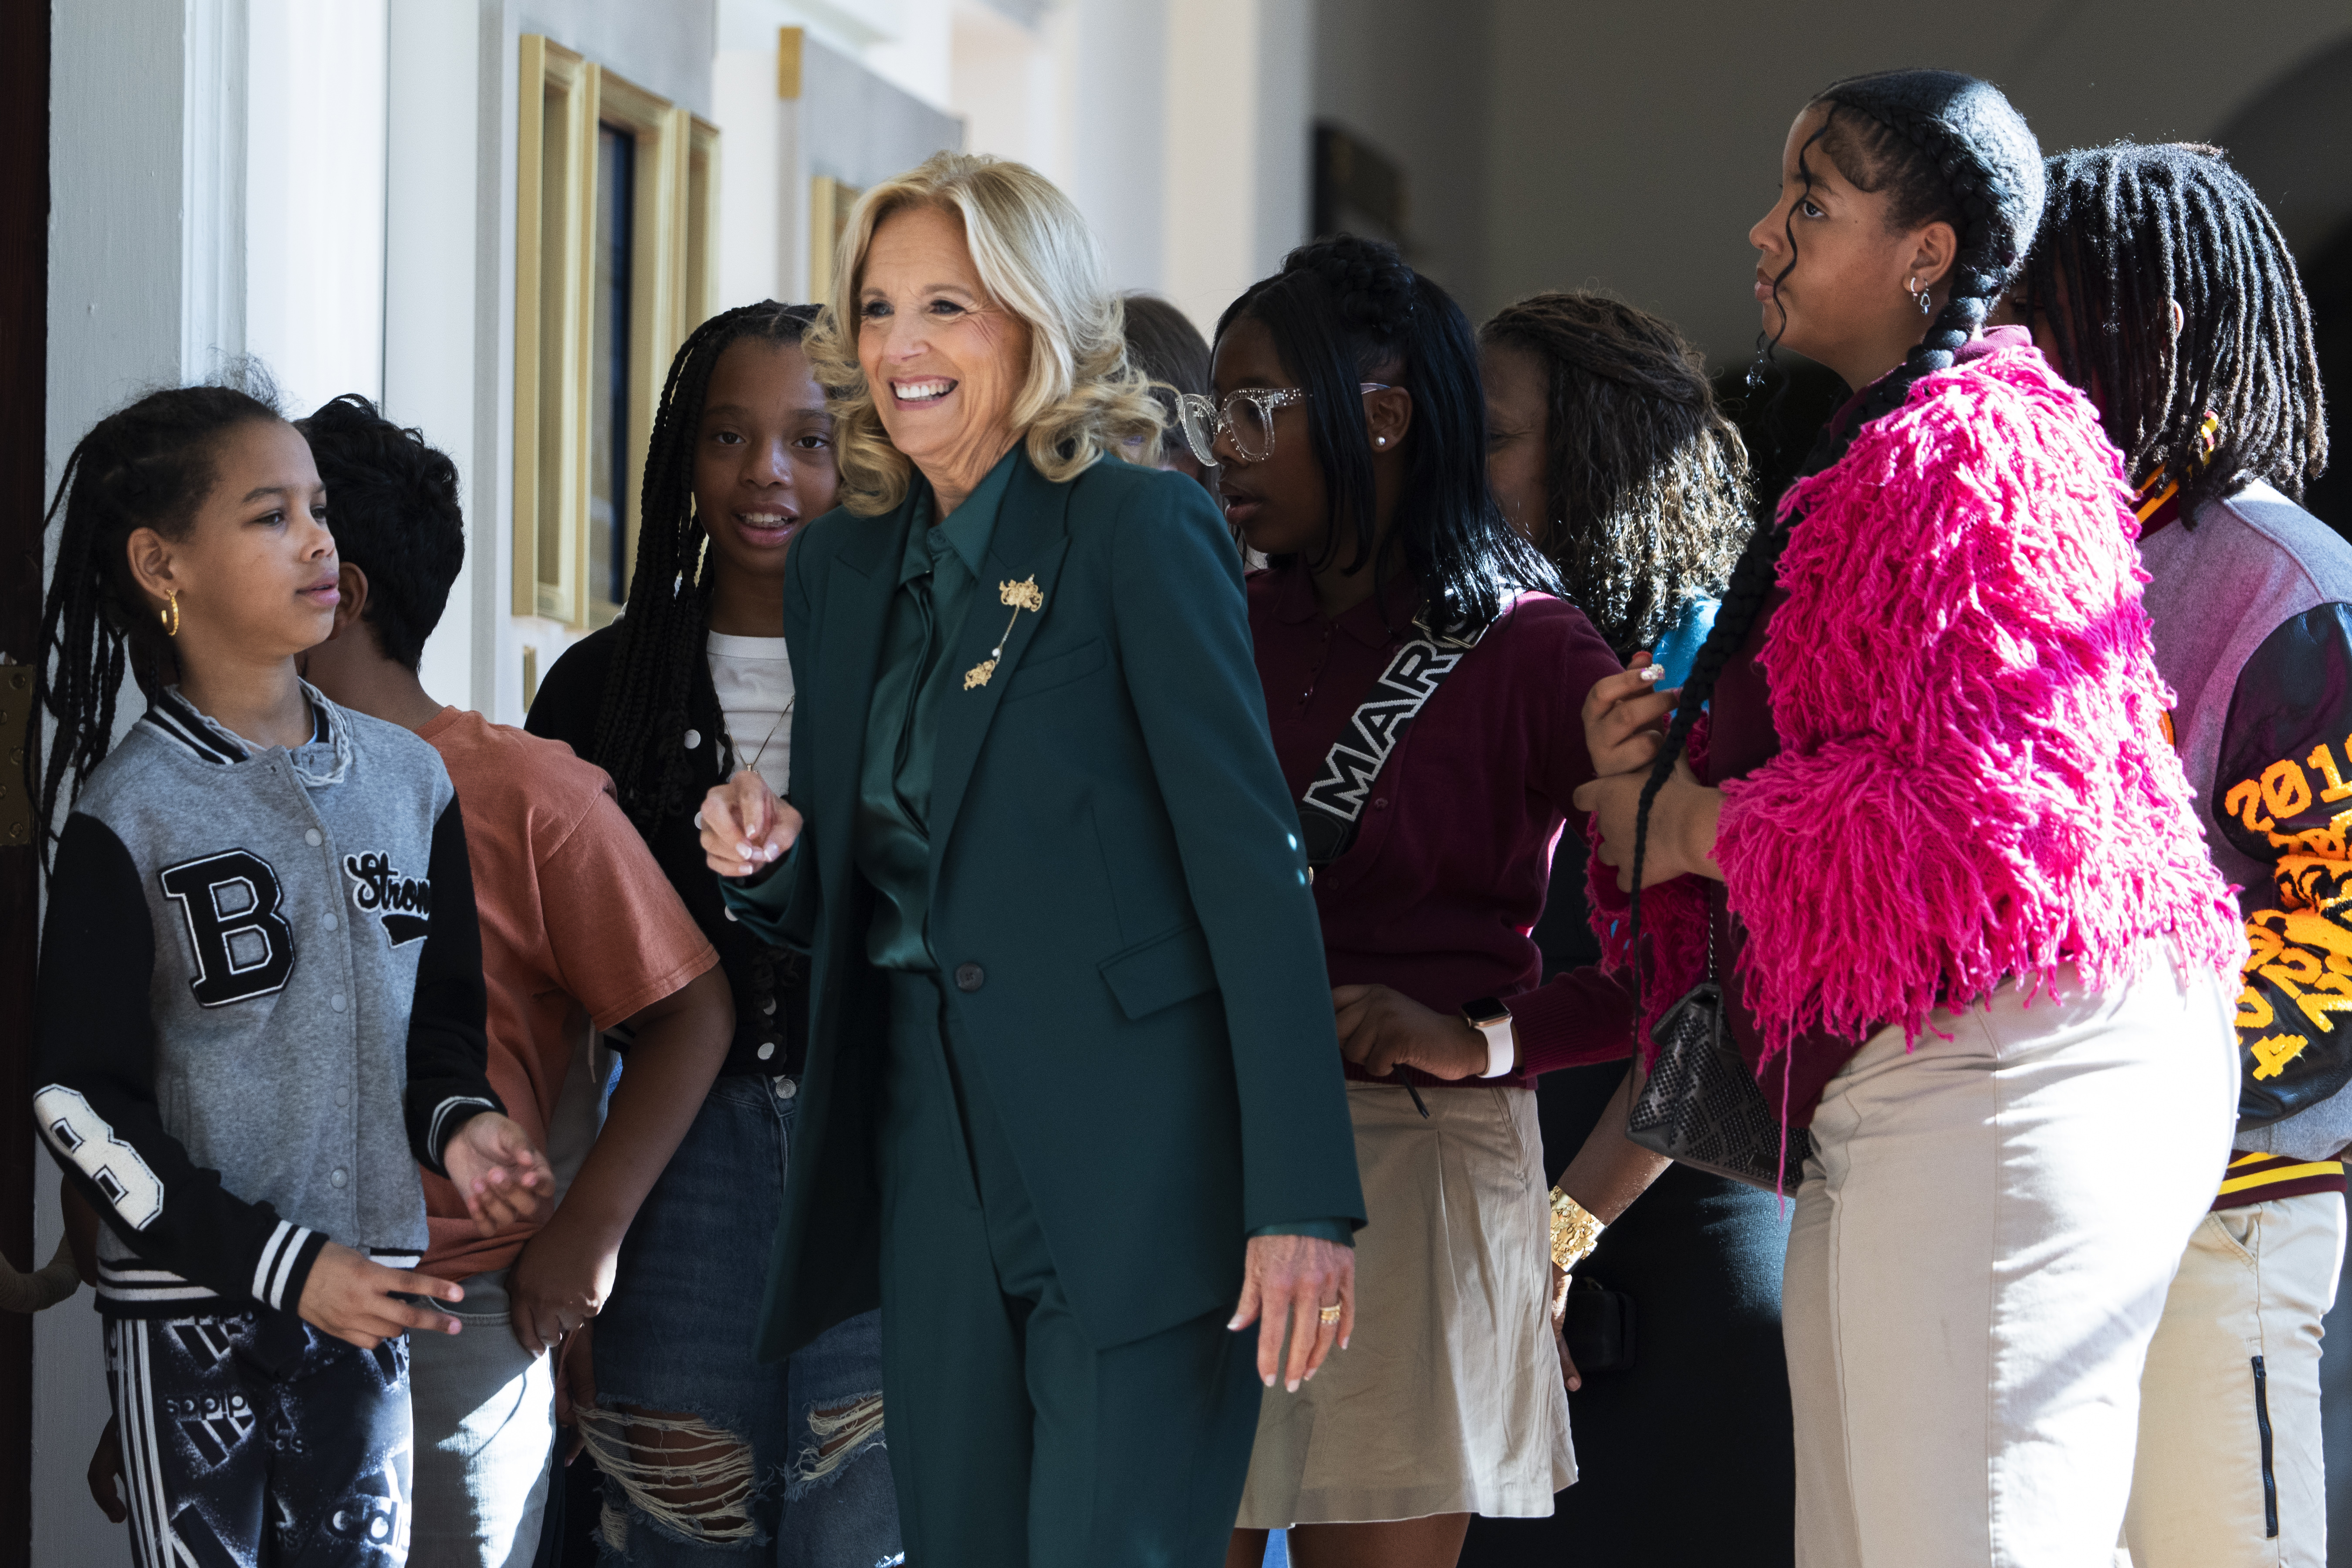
969, 977
335, 1003
693, 739
730, 914
767, 1049
313, 838
342, 1098
330, 920
338, 1179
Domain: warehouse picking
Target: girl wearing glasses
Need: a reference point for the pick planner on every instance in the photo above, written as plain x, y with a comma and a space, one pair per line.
1350, 435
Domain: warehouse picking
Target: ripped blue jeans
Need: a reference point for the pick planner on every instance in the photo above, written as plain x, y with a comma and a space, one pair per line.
745, 1462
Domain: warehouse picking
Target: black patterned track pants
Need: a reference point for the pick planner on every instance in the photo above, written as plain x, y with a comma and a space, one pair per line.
256, 1439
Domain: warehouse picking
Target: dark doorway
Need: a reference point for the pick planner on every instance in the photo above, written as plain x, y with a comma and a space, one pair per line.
2327, 279
24, 372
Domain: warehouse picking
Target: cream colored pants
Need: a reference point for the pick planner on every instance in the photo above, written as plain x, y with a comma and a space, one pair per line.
2255, 1282
1979, 1256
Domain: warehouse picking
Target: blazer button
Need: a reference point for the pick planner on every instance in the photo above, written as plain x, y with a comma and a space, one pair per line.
971, 977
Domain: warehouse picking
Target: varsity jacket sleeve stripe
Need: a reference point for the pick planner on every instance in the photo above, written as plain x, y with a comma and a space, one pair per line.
94, 1057
2282, 796
448, 1051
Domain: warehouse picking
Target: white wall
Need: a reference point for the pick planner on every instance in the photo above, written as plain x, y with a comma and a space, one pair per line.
314, 184
440, 316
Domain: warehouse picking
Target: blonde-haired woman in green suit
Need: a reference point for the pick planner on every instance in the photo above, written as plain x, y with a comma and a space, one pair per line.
1073, 1113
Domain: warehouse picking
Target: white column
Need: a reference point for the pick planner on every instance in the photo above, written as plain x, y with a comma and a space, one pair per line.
1237, 118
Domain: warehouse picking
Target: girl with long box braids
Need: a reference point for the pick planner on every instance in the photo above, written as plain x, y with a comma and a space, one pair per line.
2162, 287
1351, 439
707, 1449
1947, 866
260, 1004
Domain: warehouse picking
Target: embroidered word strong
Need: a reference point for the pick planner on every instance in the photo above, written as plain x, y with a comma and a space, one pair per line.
1329, 810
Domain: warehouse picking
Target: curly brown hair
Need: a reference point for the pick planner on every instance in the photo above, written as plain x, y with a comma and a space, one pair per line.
1646, 495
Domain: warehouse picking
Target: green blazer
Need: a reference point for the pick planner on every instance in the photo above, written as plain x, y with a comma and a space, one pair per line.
1119, 904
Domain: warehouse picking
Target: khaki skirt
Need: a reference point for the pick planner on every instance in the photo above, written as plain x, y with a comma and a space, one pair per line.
1448, 1399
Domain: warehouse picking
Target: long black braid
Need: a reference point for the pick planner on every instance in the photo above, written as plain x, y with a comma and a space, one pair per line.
659, 658
1345, 310
2130, 230
148, 464
1945, 147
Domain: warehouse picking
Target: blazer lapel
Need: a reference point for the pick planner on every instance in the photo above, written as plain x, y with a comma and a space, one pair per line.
855, 595
1031, 537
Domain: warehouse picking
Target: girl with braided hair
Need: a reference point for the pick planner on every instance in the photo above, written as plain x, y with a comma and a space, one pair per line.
705, 1447
1932, 838
1351, 441
260, 1004
2161, 285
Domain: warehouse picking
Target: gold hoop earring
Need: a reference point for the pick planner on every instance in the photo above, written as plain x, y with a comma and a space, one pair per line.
170, 614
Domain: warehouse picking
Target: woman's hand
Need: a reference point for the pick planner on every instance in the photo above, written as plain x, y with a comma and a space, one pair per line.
1287, 1281
1626, 718
500, 1171
1682, 825
745, 826
1380, 1028
359, 1301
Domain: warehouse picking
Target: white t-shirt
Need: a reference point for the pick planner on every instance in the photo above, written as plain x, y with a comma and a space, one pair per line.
754, 680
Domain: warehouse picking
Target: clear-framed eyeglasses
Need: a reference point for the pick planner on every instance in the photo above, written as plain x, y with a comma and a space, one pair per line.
1247, 415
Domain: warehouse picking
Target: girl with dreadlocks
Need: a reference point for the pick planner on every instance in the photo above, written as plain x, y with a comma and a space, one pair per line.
1947, 866
1351, 445
705, 1447
2161, 287
260, 1004
1606, 446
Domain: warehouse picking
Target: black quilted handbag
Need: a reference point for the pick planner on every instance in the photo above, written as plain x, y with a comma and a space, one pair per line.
1700, 1105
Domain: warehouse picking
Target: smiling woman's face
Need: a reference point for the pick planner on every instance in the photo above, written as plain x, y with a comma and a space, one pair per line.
944, 360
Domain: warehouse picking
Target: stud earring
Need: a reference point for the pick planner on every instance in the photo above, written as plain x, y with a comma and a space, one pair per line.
170, 614
1380, 441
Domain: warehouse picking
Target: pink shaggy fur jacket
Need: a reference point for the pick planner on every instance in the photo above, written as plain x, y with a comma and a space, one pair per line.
1975, 782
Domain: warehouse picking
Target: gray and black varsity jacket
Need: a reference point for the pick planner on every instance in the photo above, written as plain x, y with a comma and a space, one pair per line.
250, 961
2252, 603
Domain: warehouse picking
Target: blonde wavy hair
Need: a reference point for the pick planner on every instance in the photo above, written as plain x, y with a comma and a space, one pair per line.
1037, 260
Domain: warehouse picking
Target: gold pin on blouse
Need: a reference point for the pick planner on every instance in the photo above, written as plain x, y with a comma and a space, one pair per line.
1022, 595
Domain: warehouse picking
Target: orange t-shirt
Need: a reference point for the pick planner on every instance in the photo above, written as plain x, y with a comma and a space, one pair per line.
580, 928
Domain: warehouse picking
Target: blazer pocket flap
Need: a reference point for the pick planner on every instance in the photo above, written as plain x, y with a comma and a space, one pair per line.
1161, 973
1059, 671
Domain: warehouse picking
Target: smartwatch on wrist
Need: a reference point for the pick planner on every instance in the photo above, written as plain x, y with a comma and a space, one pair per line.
1492, 1019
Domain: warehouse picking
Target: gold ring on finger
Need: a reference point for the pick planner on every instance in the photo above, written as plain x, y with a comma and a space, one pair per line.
1328, 1315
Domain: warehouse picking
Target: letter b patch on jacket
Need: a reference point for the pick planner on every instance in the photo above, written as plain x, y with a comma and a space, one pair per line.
243, 946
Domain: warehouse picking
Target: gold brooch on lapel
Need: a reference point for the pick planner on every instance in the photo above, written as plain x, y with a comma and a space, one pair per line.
1022, 595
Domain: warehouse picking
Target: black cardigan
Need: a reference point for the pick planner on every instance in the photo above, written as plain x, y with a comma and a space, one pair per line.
565, 710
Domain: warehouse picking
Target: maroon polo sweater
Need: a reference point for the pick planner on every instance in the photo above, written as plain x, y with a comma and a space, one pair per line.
1447, 873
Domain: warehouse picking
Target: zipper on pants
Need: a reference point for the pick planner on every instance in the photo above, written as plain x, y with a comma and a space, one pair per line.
2262, 1425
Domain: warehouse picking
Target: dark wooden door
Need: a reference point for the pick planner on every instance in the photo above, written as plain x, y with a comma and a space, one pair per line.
24, 370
